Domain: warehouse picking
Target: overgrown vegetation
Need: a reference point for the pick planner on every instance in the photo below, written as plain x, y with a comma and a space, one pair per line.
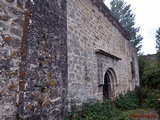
150, 99
149, 73
143, 98
121, 109
128, 101
95, 111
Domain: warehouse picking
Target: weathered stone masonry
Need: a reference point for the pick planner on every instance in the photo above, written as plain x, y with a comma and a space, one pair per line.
98, 52
11, 32
58, 54
33, 72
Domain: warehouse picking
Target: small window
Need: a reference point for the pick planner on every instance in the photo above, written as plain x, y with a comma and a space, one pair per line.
133, 68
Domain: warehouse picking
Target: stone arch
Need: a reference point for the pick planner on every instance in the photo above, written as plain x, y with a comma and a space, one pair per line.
110, 81
113, 73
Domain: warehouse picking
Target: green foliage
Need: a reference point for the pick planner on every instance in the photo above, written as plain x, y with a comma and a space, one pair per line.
142, 64
122, 108
128, 101
158, 40
145, 98
149, 72
96, 111
158, 57
148, 98
123, 13
151, 75
150, 81
151, 99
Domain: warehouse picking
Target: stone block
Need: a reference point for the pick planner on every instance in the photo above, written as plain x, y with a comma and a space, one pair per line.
10, 1
16, 32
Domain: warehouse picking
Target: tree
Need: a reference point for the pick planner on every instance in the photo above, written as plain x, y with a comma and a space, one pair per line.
149, 72
158, 40
158, 43
151, 75
123, 13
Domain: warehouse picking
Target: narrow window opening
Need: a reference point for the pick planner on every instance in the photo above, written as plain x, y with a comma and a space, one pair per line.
133, 68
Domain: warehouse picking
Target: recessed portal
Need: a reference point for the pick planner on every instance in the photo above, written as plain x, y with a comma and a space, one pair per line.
106, 87
109, 83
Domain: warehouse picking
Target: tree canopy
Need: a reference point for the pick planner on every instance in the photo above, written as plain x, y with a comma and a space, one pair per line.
158, 40
123, 13
149, 72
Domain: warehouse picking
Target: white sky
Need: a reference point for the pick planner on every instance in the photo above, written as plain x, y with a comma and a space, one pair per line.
148, 18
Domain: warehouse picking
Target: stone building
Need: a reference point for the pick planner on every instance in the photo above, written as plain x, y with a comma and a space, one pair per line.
56, 54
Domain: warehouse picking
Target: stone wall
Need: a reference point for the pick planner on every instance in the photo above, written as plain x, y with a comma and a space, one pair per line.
134, 81
33, 76
58, 51
11, 33
90, 29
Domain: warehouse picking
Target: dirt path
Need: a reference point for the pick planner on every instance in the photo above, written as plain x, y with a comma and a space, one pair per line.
141, 114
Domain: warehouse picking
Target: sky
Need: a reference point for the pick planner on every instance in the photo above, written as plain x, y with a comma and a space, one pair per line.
148, 19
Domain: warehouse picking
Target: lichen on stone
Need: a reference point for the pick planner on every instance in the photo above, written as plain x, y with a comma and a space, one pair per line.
21, 74
29, 106
53, 84
4, 18
6, 38
23, 52
21, 85
11, 87
45, 104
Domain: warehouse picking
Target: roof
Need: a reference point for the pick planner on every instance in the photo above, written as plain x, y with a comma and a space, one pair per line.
105, 10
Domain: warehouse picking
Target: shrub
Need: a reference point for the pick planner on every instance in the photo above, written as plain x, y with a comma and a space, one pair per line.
119, 109
151, 100
95, 111
149, 72
128, 101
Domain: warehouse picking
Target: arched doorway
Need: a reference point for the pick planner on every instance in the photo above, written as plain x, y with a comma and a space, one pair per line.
109, 83
106, 87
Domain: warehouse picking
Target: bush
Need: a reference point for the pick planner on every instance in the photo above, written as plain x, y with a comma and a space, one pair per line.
151, 75
148, 97
128, 101
96, 111
149, 72
151, 100
119, 109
